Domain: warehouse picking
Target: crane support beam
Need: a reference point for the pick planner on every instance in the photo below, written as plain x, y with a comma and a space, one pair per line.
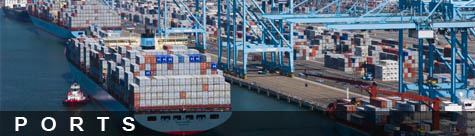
372, 26
380, 19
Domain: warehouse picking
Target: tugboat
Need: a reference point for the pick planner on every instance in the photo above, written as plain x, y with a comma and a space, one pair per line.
75, 96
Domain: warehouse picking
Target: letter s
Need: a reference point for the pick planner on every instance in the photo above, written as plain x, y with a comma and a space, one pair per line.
132, 126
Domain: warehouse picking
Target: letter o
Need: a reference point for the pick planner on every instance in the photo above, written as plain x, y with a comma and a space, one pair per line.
52, 126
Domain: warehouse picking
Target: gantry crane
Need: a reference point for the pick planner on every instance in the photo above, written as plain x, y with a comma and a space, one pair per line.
270, 37
426, 18
196, 17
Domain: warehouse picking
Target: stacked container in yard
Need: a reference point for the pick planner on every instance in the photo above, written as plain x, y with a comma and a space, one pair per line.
361, 51
302, 52
338, 62
465, 123
346, 62
174, 78
387, 70
441, 67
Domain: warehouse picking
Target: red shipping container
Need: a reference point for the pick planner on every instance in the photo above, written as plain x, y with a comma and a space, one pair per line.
142, 67
147, 59
203, 72
170, 66
208, 65
154, 73
214, 72
153, 67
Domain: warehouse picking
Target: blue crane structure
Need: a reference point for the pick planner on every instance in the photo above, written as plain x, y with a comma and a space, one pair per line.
425, 18
197, 17
270, 38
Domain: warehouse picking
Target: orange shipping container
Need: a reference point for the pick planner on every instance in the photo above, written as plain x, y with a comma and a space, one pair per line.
378, 103
202, 65
203, 72
205, 87
136, 100
182, 95
136, 74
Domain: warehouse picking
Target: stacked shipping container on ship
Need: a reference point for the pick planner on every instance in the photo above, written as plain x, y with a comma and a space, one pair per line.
70, 19
392, 115
86, 13
173, 83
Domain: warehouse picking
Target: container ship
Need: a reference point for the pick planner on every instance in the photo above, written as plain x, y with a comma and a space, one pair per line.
68, 19
167, 88
402, 115
16, 9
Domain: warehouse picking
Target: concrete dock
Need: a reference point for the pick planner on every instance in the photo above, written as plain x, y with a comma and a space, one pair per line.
314, 96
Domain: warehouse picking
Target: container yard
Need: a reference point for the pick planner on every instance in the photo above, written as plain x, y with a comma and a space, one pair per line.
376, 67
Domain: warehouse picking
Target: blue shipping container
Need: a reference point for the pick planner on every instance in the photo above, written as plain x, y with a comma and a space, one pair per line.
169, 59
203, 58
197, 59
192, 58
148, 73
214, 66
181, 59
164, 59
158, 59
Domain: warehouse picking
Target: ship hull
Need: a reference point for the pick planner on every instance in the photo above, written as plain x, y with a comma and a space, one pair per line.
17, 14
54, 29
161, 122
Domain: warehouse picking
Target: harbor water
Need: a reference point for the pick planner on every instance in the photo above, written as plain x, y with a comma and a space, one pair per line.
35, 77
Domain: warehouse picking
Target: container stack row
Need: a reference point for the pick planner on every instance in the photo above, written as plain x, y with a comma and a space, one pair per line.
76, 15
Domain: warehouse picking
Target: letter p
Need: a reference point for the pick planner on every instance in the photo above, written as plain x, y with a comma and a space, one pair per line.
17, 122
